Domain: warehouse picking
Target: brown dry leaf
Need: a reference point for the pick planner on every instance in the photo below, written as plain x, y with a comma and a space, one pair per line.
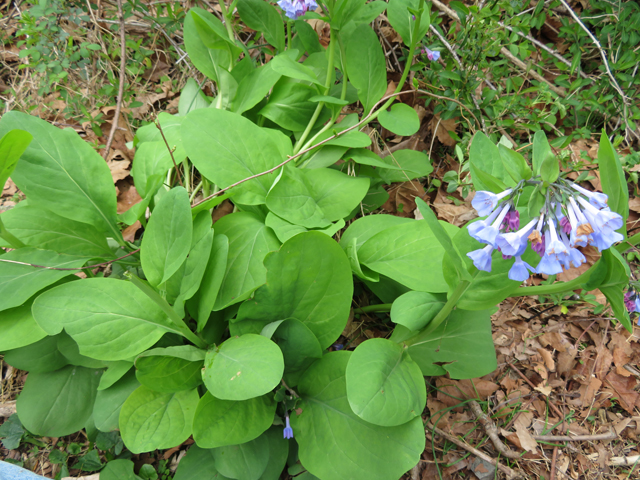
402, 197
160, 67
451, 390
147, 99
557, 340
567, 360
623, 388
620, 359
527, 442
129, 233
9, 189
443, 128
127, 196
457, 215
634, 203
548, 359
588, 392
225, 208
119, 168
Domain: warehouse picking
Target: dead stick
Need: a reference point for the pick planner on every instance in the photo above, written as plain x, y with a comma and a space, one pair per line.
175, 165
522, 375
123, 65
491, 430
511, 474
612, 435
554, 457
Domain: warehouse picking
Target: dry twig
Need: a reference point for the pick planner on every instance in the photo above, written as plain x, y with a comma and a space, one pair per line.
123, 65
612, 435
491, 430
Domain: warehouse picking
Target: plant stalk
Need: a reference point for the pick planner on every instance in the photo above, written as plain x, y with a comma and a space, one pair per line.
13, 241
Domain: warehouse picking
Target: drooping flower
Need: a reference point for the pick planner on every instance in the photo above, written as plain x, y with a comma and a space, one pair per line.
482, 258
574, 257
520, 270
630, 301
596, 199
513, 242
602, 218
288, 431
490, 232
485, 202
296, 8
554, 246
575, 239
432, 55
549, 265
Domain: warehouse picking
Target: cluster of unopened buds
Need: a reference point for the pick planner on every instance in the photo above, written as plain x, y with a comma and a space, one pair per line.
571, 217
632, 301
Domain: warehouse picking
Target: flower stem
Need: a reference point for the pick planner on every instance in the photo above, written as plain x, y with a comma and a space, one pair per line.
382, 307
327, 87
13, 241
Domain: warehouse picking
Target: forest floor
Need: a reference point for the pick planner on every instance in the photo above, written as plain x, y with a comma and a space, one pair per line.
565, 398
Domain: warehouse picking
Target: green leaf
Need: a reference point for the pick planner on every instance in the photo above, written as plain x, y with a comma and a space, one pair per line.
384, 386
613, 180
243, 462
249, 242
366, 227
462, 346
18, 282
77, 184
167, 238
119, 470
366, 66
225, 422
205, 298
335, 443
401, 119
40, 357
253, 88
309, 280
262, 17
300, 347
191, 98
59, 403
106, 410
514, 164
243, 367
11, 432
415, 310
409, 254
150, 166
401, 17
541, 151
12, 146
242, 149
19, 328
115, 371
315, 198
278, 453
549, 170
443, 238
284, 230
198, 463
289, 105
536, 202
170, 125
109, 319
487, 173
207, 60
613, 284
45, 230
344, 11
285, 65
151, 420
170, 369
308, 37
69, 348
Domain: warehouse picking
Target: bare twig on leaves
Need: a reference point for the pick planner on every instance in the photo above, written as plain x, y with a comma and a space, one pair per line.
88, 267
612, 435
123, 65
307, 150
492, 431
175, 165
554, 457
511, 474
425, 92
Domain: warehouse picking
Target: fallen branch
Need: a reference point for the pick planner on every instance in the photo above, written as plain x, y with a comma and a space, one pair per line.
612, 435
491, 430
617, 461
511, 474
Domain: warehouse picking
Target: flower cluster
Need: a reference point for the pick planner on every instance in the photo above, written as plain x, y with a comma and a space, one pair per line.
572, 217
432, 55
288, 431
296, 8
632, 300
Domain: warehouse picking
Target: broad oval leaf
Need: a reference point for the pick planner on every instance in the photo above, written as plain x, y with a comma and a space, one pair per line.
106, 410
400, 119
19, 328
226, 148
462, 346
415, 310
170, 369
77, 182
167, 238
403, 21
262, 17
384, 386
335, 443
243, 367
151, 420
218, 423
198, 463
12, 146
109, 319
309, 280
243, 462
249, 242
366, 66
40, 357
58, 403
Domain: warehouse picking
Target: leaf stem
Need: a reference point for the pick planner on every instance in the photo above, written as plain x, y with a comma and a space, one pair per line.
13, 241
327, 87
382, 307
166, 308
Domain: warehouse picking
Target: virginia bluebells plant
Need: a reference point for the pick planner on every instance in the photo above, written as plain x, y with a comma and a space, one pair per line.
432, 55
288, 431
632, 301
571, 217
296, 8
